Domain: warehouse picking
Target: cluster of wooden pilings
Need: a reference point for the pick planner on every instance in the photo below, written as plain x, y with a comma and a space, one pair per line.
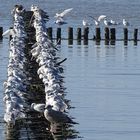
83, 34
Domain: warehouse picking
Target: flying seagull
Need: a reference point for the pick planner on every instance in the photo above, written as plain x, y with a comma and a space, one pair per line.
61, 15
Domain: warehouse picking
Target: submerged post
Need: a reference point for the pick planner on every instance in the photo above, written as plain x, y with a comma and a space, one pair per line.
58, 35
70, 35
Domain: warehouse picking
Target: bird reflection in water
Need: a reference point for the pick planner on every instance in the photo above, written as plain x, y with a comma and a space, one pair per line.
37, 127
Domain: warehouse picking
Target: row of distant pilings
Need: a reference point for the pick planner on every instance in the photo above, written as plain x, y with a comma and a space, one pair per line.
109, 35
82, 34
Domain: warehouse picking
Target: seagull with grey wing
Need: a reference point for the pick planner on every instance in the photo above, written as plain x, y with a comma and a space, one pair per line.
54, 116
98, 20
125, 23
60, 16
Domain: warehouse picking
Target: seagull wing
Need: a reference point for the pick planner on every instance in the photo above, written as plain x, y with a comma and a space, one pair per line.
65, 12
7, 32
101, 17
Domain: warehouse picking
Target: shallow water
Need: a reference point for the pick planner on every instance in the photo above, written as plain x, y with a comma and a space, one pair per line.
102, 81
103, 85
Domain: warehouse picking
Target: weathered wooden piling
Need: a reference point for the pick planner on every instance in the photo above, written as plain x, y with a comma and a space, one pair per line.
58, 35
125, 34
1, 32
49, 32
135, 34
106, 33
98, 34
79, 35
70, 35
113, 34
85, 35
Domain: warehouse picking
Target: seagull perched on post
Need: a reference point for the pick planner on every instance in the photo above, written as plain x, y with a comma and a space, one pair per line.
98, 20
86, 23
125, 23
107, 23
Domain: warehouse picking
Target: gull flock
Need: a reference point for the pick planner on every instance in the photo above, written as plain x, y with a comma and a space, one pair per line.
50, 71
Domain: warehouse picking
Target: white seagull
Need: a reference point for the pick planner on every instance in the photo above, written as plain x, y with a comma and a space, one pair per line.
86, 23
60, 21
125, 23
98, 20
56, 116
107, 23
61, 15
38, 107
10, 31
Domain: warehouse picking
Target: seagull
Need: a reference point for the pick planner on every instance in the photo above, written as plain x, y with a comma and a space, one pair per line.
125, 23
60, 21
56, 116
85, 23
38, 107
97, 21
113, 22
61, 15
107, 23
57, 102
10, 31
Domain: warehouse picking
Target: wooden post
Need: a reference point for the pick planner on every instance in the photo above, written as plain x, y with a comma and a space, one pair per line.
85, 34
98, 34
70, 35
79, 35
49, 32
1, 32
125, 34
113, 34
135, 36
106, 33
58, 36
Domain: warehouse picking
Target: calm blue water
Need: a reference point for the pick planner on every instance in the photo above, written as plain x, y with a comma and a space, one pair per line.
102, 81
